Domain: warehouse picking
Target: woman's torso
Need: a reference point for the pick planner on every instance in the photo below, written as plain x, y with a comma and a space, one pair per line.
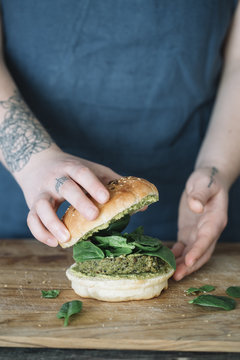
129, 84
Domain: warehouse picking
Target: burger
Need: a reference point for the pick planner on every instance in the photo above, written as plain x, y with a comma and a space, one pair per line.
113, 265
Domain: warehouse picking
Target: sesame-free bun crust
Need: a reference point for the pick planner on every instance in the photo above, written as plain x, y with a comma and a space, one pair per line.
125, 193
114, 290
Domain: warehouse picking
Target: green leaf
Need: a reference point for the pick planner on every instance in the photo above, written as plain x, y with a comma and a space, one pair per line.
114, 241
204, 288
163, 253
118, 252
146, 248
116, 226
86, 250
138, 231
145, 240
222, 302
207, 288
233, 291
68, 309
50, 294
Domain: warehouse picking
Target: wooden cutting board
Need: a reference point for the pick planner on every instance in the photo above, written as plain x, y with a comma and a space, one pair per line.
165, 323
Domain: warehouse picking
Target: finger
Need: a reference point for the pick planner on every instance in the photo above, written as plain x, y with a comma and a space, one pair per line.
177, 249
184, 270
144, 208
206, 235
104, 173
51, 221
39, 231
89, 181
71, 192
107, 175
199, 192
186, 236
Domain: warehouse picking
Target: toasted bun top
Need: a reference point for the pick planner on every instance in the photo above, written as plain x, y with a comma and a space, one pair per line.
125, 194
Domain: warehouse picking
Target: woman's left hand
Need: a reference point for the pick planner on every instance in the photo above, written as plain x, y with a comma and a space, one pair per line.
201, 220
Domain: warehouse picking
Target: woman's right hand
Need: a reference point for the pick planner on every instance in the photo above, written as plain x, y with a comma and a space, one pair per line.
50, 178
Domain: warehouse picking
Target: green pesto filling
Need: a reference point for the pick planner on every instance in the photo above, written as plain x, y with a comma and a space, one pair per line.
145, 275
121, 265
144, 202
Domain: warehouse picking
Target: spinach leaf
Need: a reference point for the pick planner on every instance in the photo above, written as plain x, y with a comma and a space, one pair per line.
204, 288
116, 226
233, 291
146, 248
138, 231
114, 241
68, 309
145, 239
222, 302
86, 250
163, 253
50, 294
118, 252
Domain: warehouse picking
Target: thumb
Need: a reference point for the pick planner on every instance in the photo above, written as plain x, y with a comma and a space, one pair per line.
200, 188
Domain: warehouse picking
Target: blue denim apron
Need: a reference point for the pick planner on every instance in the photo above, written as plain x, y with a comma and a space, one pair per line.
126, 83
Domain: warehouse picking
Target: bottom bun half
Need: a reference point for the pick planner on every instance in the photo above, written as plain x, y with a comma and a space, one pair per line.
118, 289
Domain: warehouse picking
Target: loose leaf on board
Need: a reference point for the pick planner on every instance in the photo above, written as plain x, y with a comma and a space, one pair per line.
222, 302
50, 294
204, 288
233, 291
68, 309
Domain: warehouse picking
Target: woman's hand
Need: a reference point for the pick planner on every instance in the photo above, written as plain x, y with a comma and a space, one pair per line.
202, 218
54, 177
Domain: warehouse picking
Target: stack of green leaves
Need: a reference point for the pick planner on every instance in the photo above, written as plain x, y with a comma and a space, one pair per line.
112, 243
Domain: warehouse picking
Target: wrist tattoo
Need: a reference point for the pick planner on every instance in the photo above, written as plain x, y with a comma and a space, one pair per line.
214, 171
59, 182
21, 135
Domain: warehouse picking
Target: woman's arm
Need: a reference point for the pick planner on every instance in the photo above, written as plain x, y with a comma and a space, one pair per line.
204, 202
46, 175
221, 146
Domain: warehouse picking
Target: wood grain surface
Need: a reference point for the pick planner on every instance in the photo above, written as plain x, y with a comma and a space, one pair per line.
167, 323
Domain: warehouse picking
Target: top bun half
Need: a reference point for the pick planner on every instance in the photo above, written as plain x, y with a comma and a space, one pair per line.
127, 195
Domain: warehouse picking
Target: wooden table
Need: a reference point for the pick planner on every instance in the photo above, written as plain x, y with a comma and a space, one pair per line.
167, 323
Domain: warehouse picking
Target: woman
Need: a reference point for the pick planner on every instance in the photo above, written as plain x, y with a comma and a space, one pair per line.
129, 86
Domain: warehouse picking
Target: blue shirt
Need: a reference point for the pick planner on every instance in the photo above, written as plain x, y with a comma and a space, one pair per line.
129, 84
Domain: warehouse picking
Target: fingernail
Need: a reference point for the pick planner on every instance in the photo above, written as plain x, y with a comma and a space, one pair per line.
191, 262
178, 277
63, 235
91, 213
189, 189
102, 196
52, 242
198, 206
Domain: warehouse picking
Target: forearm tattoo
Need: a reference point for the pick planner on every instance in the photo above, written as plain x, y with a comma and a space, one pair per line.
59, 182
214, 171
21, 135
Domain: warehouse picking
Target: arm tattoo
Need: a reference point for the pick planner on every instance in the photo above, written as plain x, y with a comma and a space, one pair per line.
59, 182
214, 171
21, 135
